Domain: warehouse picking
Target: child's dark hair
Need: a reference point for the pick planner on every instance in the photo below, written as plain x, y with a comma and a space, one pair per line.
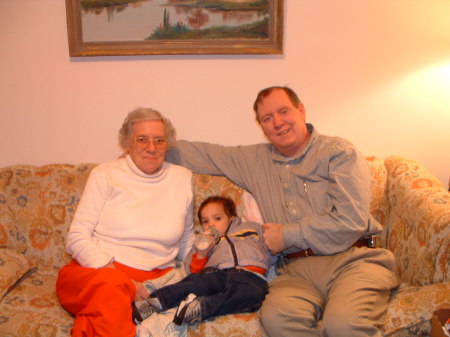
228, 205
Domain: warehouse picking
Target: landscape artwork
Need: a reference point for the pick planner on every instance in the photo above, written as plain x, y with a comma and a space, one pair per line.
137, 27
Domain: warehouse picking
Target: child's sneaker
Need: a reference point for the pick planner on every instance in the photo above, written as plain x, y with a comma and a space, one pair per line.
188, 311
144, 308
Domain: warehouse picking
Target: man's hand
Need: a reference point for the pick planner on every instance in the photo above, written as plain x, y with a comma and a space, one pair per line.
273, 237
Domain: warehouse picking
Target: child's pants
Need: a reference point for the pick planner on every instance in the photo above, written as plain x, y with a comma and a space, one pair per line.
221, 292
101, 298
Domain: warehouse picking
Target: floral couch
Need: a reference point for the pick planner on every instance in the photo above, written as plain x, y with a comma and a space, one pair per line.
38, 203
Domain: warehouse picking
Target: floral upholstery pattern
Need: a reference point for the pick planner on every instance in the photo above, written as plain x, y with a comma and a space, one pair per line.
13, 267
419, 221
37, 205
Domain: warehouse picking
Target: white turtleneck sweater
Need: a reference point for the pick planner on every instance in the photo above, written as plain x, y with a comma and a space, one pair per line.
140, 220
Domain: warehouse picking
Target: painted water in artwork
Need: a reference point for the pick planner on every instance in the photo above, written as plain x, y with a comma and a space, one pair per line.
139, 20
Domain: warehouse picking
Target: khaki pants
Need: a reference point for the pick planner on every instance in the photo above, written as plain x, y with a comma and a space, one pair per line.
340, 295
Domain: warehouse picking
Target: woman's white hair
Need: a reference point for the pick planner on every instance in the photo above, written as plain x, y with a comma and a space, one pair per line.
145, 114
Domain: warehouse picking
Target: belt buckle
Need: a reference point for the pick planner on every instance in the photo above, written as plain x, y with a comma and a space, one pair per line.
374, 241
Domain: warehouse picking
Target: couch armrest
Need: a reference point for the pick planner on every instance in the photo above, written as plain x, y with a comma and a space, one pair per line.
419, 222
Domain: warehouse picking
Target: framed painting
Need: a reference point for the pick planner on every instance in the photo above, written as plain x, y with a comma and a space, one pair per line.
170, 27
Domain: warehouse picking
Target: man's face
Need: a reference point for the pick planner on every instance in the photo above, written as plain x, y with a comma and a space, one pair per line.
282, 123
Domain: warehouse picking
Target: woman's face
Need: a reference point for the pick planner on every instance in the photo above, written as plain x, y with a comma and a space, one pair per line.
147, 145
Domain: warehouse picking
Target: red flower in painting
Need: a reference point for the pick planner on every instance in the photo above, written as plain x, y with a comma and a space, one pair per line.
198, 18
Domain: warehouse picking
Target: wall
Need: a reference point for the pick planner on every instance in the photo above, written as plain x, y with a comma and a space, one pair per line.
375, 72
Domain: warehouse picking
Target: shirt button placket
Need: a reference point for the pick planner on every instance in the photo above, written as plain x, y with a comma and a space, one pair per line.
289, 195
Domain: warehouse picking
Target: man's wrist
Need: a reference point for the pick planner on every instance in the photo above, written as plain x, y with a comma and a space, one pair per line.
293, 236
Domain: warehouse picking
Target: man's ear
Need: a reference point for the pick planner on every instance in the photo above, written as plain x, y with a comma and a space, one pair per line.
302, 110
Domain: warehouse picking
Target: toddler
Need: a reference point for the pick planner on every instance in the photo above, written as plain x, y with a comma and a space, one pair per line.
227, 275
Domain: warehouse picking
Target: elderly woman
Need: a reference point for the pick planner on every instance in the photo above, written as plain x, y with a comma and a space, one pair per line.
134, 219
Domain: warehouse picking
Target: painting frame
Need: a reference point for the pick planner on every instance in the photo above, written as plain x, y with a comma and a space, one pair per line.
272, 45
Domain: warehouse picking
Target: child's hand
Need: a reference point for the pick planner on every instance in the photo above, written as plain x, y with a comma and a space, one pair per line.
204, 242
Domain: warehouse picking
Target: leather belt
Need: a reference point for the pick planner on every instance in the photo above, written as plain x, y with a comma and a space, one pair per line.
308, 252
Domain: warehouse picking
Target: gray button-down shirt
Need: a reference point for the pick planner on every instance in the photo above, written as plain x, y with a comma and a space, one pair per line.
322, 195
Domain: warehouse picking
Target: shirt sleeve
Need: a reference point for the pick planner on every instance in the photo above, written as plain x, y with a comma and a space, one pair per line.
80, 241
231, 161
187, 240
197, 263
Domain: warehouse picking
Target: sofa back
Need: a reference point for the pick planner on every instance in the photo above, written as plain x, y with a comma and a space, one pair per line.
37, 205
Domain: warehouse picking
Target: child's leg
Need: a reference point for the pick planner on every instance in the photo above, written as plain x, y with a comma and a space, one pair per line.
199, 284
244, 292
100, 299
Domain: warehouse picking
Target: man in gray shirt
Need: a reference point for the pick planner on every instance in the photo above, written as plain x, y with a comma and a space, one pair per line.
314, 195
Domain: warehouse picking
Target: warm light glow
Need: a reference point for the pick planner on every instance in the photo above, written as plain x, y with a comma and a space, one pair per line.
432, 85
422, 94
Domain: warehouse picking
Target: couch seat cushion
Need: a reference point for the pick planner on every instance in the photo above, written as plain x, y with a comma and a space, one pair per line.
32, 309
228, 326
409, 312
13, 267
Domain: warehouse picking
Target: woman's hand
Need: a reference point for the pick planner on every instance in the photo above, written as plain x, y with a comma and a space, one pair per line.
110, 265
141, 291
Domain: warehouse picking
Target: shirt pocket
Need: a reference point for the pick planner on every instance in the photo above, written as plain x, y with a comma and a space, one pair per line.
313, 192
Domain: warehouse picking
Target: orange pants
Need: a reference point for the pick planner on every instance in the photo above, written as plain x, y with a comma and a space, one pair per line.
101, 298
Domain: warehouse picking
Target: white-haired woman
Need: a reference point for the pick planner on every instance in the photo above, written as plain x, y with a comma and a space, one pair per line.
134, 219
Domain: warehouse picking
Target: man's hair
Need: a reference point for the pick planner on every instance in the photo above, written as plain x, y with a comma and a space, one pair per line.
228, 205
267, 91
145, 114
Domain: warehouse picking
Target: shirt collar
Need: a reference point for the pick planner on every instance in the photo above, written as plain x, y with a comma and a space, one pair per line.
156, 176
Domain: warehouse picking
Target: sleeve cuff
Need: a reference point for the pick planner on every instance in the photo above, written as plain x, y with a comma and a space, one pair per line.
197, 263
293, 236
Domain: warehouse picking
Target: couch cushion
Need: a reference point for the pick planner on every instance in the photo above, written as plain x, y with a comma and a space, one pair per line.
207, 185
235, 325
36, 208
32, 308
13, 268
409, 312
379, 206
418, 222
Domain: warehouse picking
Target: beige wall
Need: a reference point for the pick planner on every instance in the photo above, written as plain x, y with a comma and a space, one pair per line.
374, 71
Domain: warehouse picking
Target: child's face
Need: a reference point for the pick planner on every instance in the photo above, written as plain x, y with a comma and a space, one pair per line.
213, 215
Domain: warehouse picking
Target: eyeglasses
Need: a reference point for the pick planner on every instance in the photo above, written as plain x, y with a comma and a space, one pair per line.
143, 142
